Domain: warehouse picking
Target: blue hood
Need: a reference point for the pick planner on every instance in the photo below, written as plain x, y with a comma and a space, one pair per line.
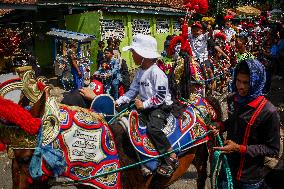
257, 79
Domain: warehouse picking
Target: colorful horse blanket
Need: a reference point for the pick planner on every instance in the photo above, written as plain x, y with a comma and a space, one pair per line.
84, 141
183, 133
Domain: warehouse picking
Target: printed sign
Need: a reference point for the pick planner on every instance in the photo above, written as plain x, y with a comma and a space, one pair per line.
112, 29
83, 145
162, 26
141, 26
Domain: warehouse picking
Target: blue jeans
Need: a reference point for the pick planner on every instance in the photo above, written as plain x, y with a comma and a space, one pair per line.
239, 185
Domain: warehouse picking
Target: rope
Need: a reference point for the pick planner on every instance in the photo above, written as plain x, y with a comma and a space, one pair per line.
129, 166
217, 160
207, 80
120, 113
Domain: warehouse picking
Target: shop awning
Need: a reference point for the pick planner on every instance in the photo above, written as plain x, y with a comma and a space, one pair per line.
71, 35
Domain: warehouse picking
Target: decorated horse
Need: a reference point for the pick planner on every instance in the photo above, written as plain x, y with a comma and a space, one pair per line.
48, 140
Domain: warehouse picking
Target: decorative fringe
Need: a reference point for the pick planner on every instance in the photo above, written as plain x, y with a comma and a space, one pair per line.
199, 6
182, 39
220, 35
14, 113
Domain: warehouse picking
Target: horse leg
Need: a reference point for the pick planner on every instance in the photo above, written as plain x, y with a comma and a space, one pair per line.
200, 162
20, 172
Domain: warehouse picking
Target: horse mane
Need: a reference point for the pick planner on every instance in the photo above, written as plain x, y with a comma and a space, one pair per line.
215, 103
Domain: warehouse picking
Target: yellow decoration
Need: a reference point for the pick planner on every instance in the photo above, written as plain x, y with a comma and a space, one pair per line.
209, 20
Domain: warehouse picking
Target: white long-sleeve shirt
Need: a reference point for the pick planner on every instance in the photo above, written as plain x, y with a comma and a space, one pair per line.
151, 85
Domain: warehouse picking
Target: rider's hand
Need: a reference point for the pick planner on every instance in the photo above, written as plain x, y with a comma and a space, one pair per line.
229, 147
87, 93
139, 104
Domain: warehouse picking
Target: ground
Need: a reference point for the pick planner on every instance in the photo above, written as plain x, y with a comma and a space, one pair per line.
187, 181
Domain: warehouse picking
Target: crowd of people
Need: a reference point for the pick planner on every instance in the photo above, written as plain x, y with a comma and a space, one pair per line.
243, 57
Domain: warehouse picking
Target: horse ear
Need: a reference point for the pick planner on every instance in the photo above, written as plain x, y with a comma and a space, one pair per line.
38, 108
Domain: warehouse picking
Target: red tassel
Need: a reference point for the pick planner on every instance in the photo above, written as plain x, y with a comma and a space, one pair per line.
14, 113
2, 147
40, 86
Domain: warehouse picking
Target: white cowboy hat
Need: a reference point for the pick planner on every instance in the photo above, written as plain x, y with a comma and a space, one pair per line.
144, 45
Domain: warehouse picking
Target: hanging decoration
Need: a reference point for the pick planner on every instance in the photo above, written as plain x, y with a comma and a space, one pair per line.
197, 6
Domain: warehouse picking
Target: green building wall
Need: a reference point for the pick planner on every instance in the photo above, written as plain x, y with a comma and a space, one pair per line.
89, 23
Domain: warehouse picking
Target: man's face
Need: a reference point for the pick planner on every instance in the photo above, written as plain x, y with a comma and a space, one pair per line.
228, 24
136, 57
108, 55
242, 84
239, 45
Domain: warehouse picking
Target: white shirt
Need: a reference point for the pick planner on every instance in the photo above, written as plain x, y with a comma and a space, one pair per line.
151, 85
229, 32
199, 46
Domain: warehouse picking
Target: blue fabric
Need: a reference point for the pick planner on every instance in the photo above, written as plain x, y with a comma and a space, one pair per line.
274, 50
257, 80
78, 81
54, 159
239, 185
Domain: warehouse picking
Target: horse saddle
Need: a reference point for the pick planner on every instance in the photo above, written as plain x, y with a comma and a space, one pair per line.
183, 133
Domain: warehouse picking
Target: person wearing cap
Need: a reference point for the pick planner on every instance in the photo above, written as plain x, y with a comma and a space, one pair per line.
228, 30
200, 42
151, 84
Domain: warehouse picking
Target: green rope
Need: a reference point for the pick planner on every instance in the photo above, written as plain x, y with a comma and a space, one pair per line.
120, 113
128, 166
216, 161
218, 158
207, 80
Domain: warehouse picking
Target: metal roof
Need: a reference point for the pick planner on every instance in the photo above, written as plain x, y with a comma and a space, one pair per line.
71, 35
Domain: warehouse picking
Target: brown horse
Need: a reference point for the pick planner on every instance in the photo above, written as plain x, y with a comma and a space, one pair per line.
131, 178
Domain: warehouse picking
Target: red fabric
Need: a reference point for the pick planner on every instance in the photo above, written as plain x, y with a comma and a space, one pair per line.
199, 6
228, 17
243, 149
255, 102
121, 90
247, 132
97, 87
220, 35
183, 39
2, 147
40, 86
197, 24
14, 113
